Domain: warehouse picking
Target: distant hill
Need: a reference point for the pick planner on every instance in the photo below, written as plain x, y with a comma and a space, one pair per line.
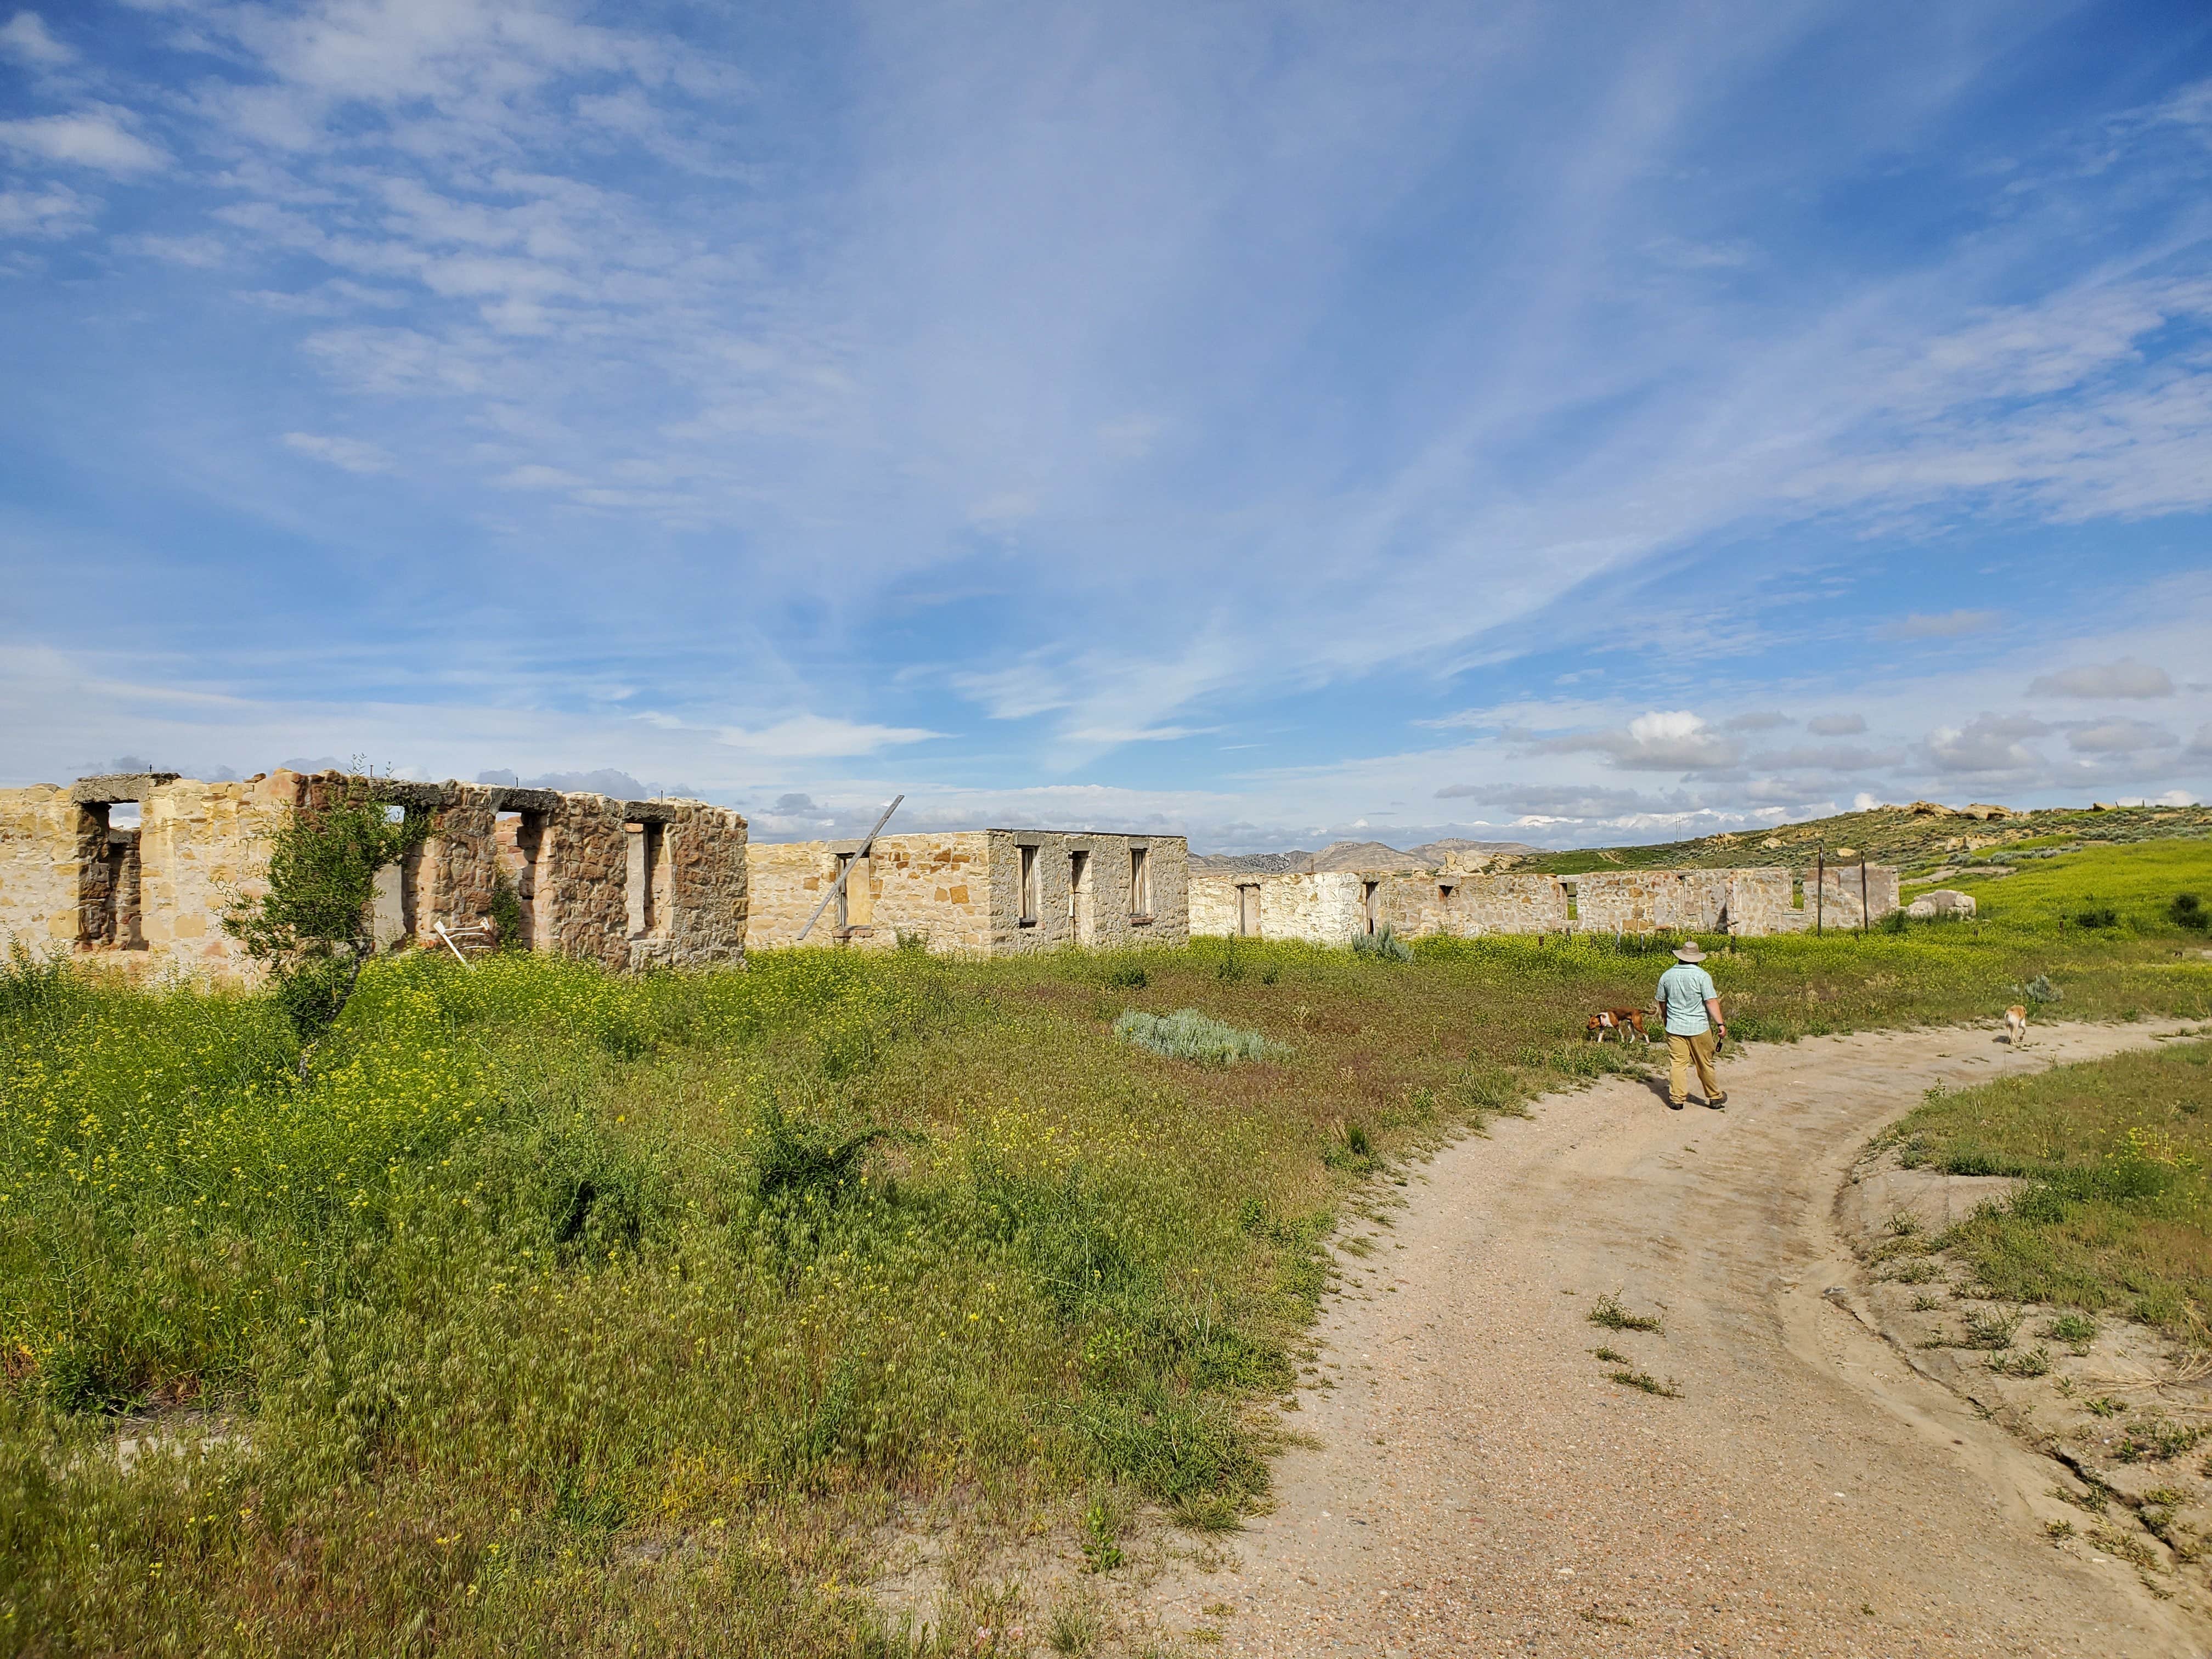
1364, 856
1916, 838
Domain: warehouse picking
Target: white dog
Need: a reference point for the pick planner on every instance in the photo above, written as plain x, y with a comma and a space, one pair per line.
2015, 1026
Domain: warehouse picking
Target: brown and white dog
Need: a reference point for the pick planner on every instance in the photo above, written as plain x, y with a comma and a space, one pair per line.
2015, 1026
1623, 1020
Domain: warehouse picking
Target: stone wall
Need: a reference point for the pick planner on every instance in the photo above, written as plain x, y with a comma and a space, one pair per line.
67, 879
1749, 903
1333, 906
42, 851
961, 891
706, 859
1833, 902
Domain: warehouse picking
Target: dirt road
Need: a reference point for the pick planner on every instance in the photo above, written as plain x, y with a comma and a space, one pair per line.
1479, 1485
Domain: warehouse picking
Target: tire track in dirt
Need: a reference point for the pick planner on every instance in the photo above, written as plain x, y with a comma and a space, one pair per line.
1479, 1486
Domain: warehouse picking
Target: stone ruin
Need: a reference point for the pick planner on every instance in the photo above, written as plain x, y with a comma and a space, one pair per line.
1460, 899
141, 868
996, 892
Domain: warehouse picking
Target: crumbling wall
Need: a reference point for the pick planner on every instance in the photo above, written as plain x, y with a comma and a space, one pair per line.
200, 846
1469, 906
1330, 907
41, 868
708, 888
67, 878
1314, 907
1831, 898
961, 891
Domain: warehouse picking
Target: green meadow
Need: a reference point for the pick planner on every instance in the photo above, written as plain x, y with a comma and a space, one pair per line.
555, 1312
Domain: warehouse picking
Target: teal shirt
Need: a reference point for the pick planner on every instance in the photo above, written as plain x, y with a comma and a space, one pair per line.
1683, 989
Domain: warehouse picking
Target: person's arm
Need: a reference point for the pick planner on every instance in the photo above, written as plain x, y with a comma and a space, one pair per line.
1713, 1012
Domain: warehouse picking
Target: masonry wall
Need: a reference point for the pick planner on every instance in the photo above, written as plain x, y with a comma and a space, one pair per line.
1834, 901
962, 892
1329, 908
708, 889
201, 845
1318, 907
42, 852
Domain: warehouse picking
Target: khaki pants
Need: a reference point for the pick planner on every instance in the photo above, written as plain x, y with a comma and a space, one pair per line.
1684, 1052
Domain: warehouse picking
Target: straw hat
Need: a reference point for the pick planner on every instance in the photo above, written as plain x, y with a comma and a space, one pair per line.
1688, 951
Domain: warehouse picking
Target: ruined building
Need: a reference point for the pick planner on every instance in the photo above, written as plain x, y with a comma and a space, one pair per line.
143, 865
1332, 907
993, 892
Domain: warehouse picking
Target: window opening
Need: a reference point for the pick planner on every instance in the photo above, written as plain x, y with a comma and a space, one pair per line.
1370, 902
1140, 883
645, 879
856, 899
1079, 895
1029, 886
1248, 910
107, 877
519, 837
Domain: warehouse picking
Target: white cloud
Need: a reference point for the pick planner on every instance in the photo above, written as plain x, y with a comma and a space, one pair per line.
2118, 736
1949, 625
25, 38
1987, 744
1828, 757
350, 453
95, 137
1672, 740
817, 737
1836, 725
2125, 678
54, 211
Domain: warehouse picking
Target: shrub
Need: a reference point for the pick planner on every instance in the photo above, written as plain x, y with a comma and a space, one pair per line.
1187, 1034
1381, 946
311, 928
2097, 916
798, 1161
2187, 911
2040, 989
1127, 975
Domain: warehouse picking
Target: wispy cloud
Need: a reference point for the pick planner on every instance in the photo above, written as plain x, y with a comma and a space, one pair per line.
98, 137
1950, 625
26, 38
348, 453
1087, 394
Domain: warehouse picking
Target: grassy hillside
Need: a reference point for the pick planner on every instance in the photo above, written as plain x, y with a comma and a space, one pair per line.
566, 1313
1918, 842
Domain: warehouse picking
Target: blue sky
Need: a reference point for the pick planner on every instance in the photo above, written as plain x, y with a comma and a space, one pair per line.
1568, 423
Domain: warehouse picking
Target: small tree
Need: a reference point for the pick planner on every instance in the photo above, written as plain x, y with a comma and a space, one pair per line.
311, 928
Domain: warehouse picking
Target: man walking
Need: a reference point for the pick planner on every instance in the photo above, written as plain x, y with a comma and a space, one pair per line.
1692, 1007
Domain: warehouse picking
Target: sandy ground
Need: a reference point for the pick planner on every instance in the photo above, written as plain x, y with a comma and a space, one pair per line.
1477, 1485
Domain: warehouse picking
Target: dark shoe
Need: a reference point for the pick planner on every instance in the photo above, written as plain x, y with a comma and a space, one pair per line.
1674, 1105
1720, 1104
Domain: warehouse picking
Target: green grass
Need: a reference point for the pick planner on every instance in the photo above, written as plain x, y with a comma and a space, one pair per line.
1890, 835
2115, 1214
2123, 891
563, 1312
